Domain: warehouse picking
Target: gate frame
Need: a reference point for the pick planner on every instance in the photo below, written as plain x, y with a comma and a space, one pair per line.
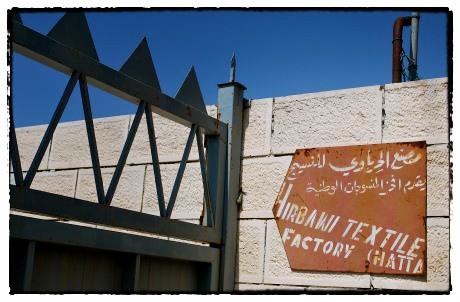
222, 168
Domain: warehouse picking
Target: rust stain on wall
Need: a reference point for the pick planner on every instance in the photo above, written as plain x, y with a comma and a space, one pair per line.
355, 209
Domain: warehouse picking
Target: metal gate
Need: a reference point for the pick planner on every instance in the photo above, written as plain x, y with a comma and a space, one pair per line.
56, 249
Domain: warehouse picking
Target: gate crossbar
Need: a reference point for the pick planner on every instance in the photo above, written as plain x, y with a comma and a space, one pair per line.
61, 233
34, 201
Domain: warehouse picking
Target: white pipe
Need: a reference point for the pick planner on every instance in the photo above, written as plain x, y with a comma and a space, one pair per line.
414, 36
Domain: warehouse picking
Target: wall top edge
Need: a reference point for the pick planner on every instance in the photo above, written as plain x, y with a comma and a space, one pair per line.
420, 83
424, 82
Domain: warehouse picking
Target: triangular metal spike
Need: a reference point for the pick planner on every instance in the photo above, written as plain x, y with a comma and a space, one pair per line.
72, 30
190, 93
16, 16
140, 66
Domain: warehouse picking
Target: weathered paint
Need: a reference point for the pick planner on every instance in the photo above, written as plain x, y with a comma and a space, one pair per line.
355, 209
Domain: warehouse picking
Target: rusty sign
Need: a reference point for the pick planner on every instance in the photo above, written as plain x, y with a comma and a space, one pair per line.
355, 209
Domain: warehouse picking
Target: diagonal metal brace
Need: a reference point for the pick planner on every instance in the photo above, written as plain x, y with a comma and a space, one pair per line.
91, 139
180, 172
155, 161
124, 153
204, 177
50, 130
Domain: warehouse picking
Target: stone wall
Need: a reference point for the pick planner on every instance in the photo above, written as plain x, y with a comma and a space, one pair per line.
273, 129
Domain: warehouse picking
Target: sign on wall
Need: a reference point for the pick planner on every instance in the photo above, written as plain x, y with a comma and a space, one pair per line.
355, 209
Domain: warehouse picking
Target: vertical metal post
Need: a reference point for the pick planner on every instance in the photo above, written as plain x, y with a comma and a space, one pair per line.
230, 111
414, 46
29, 266
397, 47
130, 276
216, 168
213, 280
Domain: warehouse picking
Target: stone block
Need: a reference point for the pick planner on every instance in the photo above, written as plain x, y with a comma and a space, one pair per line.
57, 182
128, 194
189, 201
261, 181
277, 270
171, 138
333, 118
416, 110
250, 257
257, 128
438, 274
29, 139
70, 148
438, 180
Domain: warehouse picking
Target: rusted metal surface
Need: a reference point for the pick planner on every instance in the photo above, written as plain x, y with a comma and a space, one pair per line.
355, 209
397, 46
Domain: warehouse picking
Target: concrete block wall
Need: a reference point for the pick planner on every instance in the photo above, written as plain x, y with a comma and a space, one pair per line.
273, 129
376, 114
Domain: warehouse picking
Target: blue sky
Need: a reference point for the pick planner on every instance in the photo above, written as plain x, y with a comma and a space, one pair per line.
278, 53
